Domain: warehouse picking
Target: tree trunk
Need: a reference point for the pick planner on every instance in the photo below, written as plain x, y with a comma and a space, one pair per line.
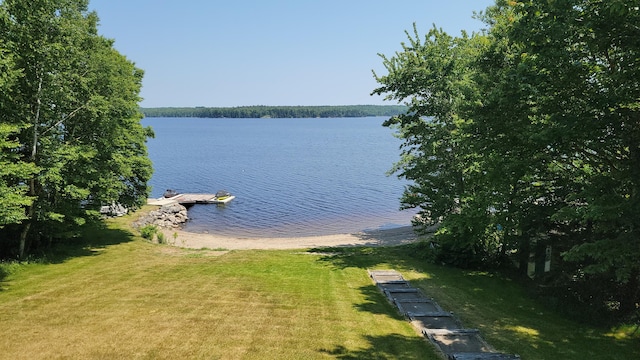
32, 182
23, 239
524, 250
631, 291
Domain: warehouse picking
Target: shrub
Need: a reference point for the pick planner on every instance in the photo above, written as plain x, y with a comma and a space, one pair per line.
148, 231
161, 238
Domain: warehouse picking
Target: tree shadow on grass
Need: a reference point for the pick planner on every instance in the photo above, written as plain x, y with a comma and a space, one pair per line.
365, 257
371, 258
391, 346
512, 321
376, 303
91, 240
87, 240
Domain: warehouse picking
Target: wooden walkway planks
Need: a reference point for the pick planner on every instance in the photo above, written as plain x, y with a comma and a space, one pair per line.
191, 199
195, 198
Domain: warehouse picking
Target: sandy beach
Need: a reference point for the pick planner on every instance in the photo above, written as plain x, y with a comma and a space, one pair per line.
386, 237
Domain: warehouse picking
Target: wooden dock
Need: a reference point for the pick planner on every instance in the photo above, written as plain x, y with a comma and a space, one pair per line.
191, 199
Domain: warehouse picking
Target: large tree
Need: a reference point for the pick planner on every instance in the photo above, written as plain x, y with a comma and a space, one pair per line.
13, 172
539, 144
584, 55
77, 105
434, 76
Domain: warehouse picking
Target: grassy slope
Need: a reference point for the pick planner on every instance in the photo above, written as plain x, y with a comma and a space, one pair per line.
132, 299
125, 298
511, 321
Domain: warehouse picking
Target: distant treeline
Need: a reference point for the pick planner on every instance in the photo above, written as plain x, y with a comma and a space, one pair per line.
277, 111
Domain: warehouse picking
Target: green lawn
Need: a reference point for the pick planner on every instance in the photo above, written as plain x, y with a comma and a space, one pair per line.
122, 297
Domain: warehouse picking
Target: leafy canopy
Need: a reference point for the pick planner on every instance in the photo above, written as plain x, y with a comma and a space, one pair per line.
71, 114
526, 135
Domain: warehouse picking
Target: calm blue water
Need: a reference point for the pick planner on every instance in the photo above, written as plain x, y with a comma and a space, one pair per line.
291, 177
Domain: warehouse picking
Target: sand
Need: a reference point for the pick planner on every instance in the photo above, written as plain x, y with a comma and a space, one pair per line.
386, 237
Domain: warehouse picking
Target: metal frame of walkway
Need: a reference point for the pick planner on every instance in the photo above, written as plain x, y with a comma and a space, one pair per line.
440, 327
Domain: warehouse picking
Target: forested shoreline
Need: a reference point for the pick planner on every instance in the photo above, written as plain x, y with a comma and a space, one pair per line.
261, 111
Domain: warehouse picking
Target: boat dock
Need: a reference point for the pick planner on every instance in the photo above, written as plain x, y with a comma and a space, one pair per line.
191, 199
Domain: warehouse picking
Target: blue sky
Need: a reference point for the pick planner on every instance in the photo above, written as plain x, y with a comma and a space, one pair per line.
288, 52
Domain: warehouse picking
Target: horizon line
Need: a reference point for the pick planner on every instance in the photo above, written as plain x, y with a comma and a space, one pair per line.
241, 106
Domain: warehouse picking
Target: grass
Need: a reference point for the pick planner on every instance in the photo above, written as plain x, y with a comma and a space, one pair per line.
133, 299
119, 296
501, 309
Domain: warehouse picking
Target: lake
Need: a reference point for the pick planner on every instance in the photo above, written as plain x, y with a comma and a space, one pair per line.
291, 177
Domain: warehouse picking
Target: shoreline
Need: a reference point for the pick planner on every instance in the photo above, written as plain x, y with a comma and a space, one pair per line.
383, 237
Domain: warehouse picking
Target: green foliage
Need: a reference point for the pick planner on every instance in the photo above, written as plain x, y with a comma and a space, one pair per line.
433, 77
7, 268
526, 135
148, 232
278, 111
13, 171
161, 238
73, 112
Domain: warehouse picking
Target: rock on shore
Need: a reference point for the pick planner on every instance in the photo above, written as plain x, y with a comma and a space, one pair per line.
113, 210
167, 216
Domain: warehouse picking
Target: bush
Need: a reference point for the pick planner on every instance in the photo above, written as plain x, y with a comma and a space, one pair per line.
161, 238
148, 231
